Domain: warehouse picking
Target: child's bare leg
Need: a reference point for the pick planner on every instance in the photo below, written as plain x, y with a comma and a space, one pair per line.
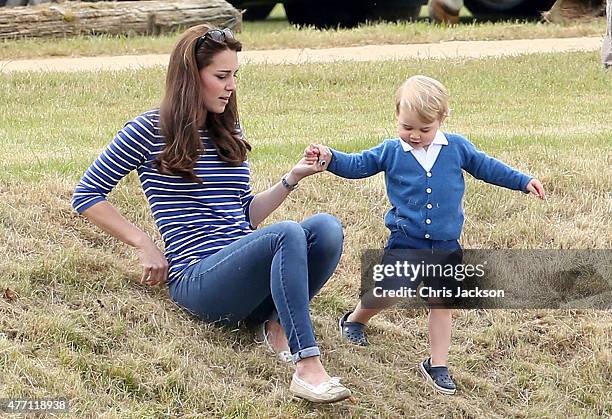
363, 315
434, 369
440, 323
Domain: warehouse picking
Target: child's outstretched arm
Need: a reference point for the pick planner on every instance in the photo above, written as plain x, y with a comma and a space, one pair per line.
486, 168
352, 166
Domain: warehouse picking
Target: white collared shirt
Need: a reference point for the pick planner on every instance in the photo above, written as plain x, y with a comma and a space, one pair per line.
427, 158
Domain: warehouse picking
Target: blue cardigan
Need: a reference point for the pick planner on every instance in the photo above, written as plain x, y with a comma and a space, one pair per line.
427, 204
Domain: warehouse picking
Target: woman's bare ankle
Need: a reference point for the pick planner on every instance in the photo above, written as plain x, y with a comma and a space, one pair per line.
276, 336
311, 371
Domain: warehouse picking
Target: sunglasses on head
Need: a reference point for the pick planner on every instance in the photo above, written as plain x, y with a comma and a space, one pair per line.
217, 35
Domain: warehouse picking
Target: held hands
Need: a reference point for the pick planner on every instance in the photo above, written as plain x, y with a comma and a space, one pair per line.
318, 155
315, 160
154, 263
535, 187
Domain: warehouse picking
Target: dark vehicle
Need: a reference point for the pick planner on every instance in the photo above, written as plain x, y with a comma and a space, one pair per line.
346, 13
507, 9
332, 13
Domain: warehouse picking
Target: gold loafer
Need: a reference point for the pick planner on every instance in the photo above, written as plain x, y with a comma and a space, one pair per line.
328, 392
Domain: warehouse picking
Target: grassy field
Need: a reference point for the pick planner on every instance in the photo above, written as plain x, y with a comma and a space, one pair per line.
276, 32
81, 328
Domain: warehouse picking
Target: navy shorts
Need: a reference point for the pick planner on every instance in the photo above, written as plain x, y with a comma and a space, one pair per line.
425, 266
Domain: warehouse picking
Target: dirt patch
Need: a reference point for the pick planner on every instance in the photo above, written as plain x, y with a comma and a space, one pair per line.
443, 50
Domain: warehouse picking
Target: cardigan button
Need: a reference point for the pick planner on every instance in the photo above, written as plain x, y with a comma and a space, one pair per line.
427, 236
428, 174
428, 190
428, 221
429, 206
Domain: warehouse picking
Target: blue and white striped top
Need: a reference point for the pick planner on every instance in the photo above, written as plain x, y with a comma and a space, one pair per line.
195, 219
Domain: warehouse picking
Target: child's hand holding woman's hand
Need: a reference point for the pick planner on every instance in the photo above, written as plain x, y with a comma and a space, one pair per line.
310, 164
311, 154
535, 187
319, 154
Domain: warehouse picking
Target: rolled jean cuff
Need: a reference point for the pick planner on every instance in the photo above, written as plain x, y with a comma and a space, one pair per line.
306, 353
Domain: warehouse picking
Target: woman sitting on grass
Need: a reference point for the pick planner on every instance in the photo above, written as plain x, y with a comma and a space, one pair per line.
190, 156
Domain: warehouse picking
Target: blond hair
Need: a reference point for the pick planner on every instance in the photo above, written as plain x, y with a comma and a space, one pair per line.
425, 96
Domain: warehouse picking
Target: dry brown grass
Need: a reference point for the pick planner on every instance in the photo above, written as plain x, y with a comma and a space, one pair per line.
82, 329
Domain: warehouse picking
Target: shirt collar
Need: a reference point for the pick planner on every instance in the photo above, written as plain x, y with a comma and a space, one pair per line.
440, 139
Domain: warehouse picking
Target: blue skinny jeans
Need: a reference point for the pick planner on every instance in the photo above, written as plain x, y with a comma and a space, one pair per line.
270, 273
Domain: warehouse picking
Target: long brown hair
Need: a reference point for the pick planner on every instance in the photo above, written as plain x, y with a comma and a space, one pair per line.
182, 112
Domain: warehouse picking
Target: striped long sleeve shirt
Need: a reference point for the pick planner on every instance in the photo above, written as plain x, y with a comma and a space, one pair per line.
195, 219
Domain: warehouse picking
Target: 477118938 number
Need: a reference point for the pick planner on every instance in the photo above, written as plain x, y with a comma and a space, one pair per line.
24, 405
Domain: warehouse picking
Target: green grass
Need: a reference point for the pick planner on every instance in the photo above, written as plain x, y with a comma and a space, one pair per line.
276, 32
82, 329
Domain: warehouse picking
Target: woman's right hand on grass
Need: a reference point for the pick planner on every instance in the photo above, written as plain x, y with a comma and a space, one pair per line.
154, 263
